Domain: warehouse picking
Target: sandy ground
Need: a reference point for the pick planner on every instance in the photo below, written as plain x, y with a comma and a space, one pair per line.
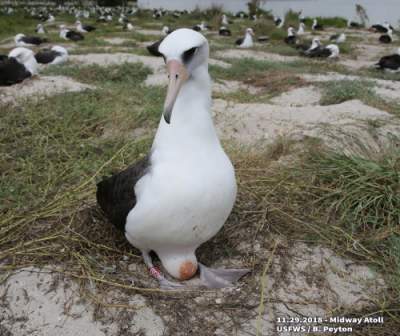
39, 87
258, 55
301, 281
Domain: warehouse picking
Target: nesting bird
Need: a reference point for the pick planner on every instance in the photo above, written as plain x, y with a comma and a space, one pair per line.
247, 40
301, 29
180, 195
223, 31
338, 38
68, 34
55, 55
19, 65
26, 41
390, 63
40, 29
291, 38
84, 28
316, 25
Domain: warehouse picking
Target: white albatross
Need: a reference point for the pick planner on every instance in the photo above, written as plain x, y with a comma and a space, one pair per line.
181, 194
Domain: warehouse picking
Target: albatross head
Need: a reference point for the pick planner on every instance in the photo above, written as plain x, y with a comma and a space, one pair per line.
26, 57
184, 51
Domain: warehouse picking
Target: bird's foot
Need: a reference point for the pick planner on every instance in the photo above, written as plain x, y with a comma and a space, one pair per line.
163, 281
220, 277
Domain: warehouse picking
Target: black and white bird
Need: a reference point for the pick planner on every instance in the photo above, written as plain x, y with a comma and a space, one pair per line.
27, 41
50, 19
382, 28
279, 22
338, 38
19, 65
330, 51
71, 35
316, 25
40, 29
247, 40
201, 27
302, 29
305, 48
291, 38
241, 15
186, 180
390, 63
225, 21
223, 31
153, 48
386, 38
84, 28
55, 55
166, 30
128, 26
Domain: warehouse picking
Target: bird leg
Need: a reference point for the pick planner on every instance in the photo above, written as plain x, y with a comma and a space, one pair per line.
220, 277
157, 274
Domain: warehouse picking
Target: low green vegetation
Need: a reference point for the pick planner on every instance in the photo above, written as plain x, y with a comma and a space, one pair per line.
336, 92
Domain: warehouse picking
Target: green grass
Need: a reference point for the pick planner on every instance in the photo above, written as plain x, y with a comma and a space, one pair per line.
10, 25
336, 92
337, 22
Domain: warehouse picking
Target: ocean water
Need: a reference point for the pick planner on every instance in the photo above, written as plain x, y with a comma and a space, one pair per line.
377, 10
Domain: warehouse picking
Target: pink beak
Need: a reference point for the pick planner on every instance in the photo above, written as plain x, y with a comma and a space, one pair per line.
177, 75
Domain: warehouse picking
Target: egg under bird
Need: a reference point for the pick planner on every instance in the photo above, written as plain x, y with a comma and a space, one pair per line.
26, 41
247, 40
55, 55
17, 66
390, 63
180, 195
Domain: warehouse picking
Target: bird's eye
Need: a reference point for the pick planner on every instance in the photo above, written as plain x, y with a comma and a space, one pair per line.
188, 54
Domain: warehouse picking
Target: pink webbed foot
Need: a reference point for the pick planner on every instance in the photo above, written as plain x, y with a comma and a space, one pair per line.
220, 277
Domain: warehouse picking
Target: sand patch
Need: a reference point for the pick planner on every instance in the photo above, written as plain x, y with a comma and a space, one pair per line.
33, 300
258, 55
254, 123
313, 281
149, 32
117, 40
387, 89
38, 87
304, 96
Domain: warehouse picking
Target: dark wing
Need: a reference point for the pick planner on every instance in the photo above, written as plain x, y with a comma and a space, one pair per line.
12, 72
33, 40
89, 28
225, 32
196, 28
239, 41
153, 49
320, 52
385, 39
389, 62
74, 36
46, 56
116, 194
290, 40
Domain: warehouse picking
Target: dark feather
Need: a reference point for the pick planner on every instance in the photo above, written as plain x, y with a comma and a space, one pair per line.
290, 39
88, 28
385, 39
391, 62
239, 41
12, 72
379, 28
33, 40
153, 48
225, 32
319, 52
46, 56
116, 194
74, 36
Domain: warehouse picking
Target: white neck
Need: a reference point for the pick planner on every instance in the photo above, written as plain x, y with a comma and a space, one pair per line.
191, 127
